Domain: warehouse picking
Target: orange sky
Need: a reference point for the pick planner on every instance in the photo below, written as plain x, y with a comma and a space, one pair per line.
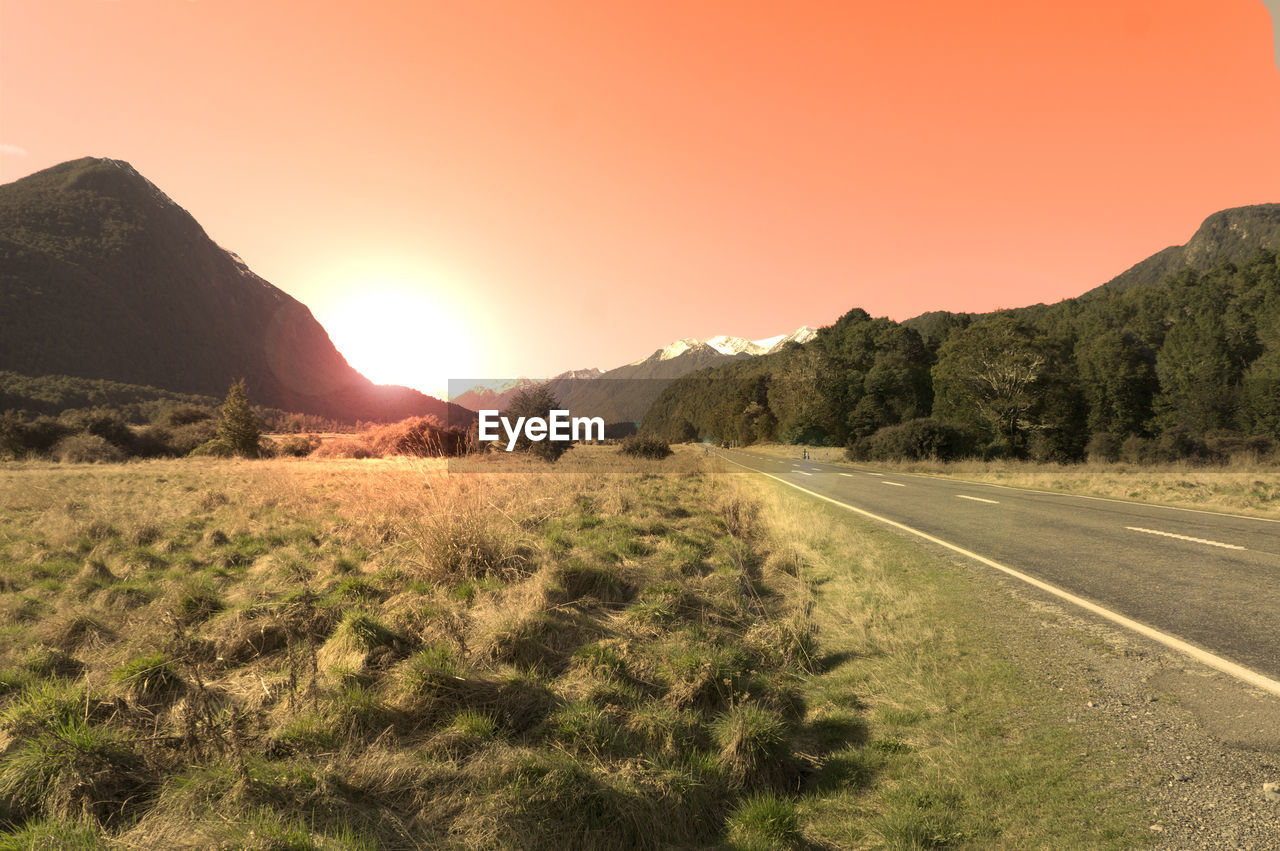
574, 184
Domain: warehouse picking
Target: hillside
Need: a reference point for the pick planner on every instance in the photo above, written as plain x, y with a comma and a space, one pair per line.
103, 276
1231, 235
1179, 358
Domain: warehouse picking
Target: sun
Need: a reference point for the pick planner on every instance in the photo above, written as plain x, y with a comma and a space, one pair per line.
394, 335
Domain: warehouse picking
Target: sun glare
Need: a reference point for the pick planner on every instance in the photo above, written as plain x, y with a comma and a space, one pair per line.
394, 336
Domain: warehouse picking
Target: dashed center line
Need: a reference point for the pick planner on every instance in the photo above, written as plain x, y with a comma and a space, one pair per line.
895, 484
1185, 538
977, 499
802, 472
881, 475
850, 475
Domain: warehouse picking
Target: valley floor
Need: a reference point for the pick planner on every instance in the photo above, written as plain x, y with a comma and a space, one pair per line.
342, 654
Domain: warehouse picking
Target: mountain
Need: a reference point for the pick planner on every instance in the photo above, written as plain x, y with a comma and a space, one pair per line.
492, 395
730, 346
624, 394
1232, 235
103, 276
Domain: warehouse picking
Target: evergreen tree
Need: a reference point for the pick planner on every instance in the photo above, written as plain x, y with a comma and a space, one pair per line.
238, 429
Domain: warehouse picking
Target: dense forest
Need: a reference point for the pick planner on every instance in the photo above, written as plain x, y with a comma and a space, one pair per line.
1187, 368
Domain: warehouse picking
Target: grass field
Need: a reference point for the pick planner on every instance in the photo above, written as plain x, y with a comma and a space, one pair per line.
361, 654
376, 654
1241, 488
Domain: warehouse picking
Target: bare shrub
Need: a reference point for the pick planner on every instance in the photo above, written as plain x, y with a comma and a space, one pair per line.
85, 448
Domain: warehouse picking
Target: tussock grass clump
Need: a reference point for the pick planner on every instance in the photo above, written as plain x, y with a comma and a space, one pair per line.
471, 545
197, 601
72, 632
754, 749
469, 731
535, 639
764, 822
150, 679
582, 581
72, 770
360, 640
41, 661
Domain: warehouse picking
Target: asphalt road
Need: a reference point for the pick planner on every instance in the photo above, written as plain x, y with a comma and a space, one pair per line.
1212, 580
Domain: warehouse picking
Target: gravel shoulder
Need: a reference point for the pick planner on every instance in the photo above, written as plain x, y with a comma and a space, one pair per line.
1197, 744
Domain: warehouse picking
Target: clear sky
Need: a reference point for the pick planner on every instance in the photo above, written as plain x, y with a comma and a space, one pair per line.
498, 188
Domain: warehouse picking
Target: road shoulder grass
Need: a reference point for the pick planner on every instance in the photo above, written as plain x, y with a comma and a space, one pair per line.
941, 725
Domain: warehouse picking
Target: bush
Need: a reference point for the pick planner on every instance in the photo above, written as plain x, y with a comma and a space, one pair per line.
1103, 448
344, 447
216, 448
914, 440
85, 448
101, 423
184, 439
20, 438
1052, 446
184, 415
420, 436
1178, 443
1136, 450
297, 446
645, 447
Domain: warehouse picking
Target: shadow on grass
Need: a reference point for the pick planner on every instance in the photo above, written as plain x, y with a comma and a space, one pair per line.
831, 661
845, 758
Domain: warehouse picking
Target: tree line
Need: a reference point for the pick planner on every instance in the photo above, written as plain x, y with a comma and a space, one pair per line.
1186, 369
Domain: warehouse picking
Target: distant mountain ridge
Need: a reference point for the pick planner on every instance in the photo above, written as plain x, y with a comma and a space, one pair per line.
726, 345
102, 275
623, 394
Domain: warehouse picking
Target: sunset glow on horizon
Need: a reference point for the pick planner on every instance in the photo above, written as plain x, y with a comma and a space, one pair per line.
519, 188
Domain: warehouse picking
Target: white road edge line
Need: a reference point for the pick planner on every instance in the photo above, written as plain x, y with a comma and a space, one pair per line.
1185, 538
978, 499
895, 484
1226, 666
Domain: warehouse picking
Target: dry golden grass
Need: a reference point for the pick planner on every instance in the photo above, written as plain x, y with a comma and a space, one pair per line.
389, 653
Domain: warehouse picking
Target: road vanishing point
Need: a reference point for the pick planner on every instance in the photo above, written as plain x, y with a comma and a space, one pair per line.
1203, 583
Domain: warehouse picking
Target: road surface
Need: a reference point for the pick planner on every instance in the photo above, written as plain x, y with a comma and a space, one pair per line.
1209, 579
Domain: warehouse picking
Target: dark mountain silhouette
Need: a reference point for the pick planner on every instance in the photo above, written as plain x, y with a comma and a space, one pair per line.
103, 276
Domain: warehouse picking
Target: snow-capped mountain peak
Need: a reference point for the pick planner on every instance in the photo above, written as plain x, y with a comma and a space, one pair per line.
727, 345
580, 374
